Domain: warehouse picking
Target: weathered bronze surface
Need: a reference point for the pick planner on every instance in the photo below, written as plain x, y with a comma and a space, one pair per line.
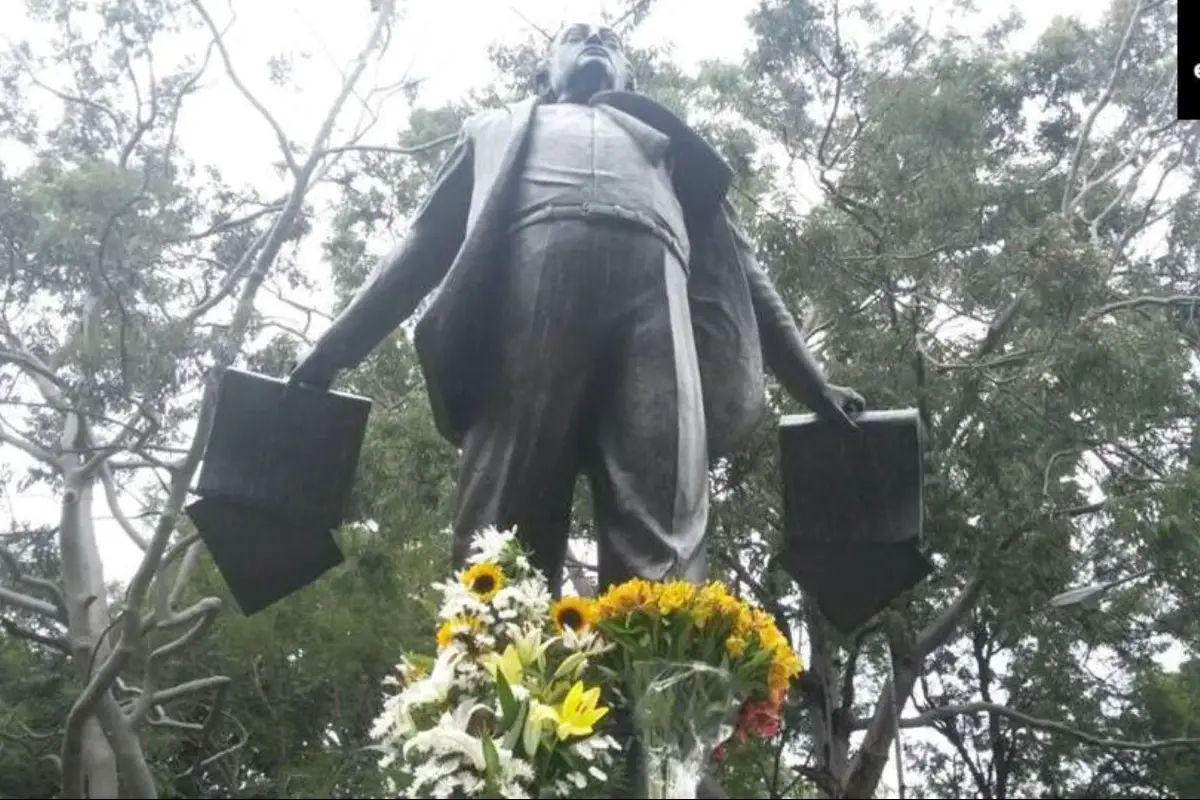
274, 484
853, 511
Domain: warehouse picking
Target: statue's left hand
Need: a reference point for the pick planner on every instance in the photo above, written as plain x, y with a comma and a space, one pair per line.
839, 404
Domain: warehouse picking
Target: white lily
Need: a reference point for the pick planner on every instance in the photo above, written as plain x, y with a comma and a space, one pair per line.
587, 641
444, 738
465, 711
530, 645
450, 735
436, 687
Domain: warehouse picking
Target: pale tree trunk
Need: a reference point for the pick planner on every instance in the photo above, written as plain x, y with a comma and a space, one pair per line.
102, 754
87, 618
112, 763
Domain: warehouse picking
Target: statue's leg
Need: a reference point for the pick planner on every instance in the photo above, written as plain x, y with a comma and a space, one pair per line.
648, 460
648, 463
520, 457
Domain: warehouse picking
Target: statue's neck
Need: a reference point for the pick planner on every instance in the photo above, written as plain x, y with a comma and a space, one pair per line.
578, 98
584, 88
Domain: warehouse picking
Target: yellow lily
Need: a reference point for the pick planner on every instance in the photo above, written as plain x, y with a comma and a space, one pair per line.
507, 664
538, 718
579, 713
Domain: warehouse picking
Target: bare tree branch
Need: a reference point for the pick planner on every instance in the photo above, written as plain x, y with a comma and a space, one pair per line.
218, 37
226, 225
42, 586
1022, 719
191, 687
413, 150
1144, 302
31, 449
114, 505
1085, 132
14, 630
27, 603
577, 573
230, 283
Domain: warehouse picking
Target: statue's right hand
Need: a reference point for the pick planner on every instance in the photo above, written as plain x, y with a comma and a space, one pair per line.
313, 372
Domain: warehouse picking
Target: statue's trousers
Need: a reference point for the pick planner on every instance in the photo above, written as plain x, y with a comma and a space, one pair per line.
596, 373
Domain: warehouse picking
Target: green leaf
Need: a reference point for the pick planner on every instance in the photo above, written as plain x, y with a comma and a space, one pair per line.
513, 732
508, 702
492, 761
492, 764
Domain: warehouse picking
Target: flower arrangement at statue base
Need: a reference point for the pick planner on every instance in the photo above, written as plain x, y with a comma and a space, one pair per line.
519, 699
700, 667
505, 708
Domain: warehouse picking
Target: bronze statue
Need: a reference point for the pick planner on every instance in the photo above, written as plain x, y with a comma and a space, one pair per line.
599, 310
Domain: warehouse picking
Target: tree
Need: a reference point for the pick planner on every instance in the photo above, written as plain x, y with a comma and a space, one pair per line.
109, 330
1168, 708
987, 253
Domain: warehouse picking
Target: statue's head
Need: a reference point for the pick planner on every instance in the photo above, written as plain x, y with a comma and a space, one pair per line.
581, 61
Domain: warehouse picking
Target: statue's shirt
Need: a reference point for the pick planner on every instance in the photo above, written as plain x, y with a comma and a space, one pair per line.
595, 161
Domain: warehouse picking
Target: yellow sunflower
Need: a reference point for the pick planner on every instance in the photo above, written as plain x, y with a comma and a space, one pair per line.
458, 626
484, 580
572, 612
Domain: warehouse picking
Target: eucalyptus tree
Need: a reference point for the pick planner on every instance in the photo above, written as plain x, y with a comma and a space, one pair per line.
131, 280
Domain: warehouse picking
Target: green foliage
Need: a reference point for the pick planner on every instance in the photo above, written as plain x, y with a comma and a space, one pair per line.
35, 685
945, 199
1172, 703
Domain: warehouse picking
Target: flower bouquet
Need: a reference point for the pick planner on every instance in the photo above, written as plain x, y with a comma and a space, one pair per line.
513, 702
698, 667
507, 707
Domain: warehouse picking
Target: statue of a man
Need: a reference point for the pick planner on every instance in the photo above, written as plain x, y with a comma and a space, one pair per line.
599, 310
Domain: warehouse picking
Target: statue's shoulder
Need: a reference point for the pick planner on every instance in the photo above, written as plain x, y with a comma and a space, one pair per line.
498, 119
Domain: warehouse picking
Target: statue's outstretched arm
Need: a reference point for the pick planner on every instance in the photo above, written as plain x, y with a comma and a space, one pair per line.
784, 350
402, 278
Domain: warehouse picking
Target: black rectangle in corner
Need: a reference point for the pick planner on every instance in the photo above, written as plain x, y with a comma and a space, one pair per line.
1188, 47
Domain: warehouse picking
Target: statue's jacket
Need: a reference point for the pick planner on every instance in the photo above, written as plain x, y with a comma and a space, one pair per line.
458, 239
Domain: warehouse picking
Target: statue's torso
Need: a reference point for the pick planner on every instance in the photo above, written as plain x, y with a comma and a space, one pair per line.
599, 162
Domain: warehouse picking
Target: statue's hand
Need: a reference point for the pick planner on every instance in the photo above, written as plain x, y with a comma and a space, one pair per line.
839, 404
312, 371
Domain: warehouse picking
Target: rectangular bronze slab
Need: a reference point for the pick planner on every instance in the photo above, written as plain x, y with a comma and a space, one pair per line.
853, 511
263, 557
279, 449
275, 483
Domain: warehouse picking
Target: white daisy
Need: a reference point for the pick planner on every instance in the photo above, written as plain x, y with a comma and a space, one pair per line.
490, 544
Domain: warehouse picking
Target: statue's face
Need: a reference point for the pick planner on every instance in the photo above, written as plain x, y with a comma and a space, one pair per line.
584, 60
